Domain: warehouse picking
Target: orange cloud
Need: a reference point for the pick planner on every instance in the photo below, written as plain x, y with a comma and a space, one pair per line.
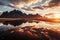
22, 3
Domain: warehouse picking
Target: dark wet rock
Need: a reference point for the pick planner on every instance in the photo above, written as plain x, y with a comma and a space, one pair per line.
31, 33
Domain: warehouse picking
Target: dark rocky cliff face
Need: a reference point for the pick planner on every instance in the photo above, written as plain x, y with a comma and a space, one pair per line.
12, 14
31, 33
17, 14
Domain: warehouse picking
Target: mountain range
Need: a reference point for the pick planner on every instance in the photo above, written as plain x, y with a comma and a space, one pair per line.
17, 14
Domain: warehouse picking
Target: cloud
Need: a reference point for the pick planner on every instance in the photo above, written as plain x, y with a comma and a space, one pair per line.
1, 3
49, 6
51, 3
28, 3
18, 3
27, 9
34, 6
4, 2
54, 3
22, 3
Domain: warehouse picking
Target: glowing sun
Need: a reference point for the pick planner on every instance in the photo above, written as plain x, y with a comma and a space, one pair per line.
53, 16
56, 15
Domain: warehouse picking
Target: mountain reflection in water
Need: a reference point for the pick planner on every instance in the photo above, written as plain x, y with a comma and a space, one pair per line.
40, 24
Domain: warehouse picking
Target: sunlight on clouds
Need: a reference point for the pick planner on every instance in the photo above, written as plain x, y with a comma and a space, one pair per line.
22, 3
46, 3
44, 6
47, 7
50, 10
44, 11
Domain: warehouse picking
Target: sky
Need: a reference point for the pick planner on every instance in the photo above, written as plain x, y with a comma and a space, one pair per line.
41, 7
